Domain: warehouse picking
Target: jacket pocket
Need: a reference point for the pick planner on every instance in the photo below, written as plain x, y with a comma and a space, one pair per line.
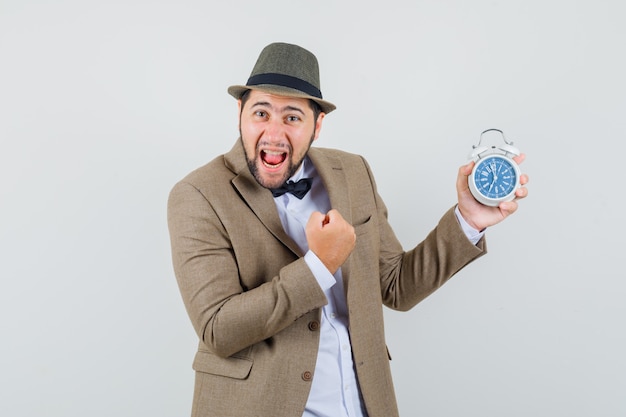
232, 367
362, 226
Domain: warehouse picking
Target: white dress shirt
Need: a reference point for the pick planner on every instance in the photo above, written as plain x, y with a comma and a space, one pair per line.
334, 391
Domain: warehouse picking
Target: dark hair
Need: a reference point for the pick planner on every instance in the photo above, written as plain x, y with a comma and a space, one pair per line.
317, 109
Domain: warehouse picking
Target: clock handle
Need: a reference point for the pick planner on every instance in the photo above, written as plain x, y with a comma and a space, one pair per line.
507, 147
494, 130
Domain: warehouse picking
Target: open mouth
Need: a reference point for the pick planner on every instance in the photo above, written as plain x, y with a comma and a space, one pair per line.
273, 159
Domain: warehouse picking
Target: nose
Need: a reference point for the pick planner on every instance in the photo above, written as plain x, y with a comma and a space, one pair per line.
274, 130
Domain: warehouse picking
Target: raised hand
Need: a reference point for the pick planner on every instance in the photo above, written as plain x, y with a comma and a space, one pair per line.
478, 215
331, 238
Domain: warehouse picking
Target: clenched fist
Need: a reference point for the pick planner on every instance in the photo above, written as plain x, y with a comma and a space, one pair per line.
331, 238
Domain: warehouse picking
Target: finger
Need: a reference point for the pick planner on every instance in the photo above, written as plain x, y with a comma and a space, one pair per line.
508, 207
523, 179
520, 158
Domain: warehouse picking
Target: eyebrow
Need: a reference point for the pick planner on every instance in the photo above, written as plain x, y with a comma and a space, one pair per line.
281, 110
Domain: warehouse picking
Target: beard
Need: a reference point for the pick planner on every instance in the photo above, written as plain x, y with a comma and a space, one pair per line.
293, 165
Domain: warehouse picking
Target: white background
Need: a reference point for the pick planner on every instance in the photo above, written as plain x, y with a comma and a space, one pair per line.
104, 105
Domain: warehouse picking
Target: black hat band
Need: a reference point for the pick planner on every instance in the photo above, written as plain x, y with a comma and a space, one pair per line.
285, 81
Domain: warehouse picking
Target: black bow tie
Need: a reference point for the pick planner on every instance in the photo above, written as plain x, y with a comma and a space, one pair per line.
299, 189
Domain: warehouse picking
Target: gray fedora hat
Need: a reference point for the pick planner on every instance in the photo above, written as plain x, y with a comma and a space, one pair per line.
285, 70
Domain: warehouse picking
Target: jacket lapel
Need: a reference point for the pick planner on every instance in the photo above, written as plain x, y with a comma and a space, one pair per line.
261, 202
258, 198
332, 172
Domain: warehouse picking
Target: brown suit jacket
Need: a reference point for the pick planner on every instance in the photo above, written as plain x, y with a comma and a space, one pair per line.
255, 304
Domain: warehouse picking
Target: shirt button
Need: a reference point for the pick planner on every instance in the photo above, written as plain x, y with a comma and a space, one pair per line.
307, 375
314, 325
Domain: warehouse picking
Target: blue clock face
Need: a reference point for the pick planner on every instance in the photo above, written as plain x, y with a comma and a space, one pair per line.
495, 177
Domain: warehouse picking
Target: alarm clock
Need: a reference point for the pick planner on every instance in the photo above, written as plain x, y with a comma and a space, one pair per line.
496, 175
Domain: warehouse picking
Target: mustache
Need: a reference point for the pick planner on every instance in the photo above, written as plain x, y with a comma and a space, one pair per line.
267, 144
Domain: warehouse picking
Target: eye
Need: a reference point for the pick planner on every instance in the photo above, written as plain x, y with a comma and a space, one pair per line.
260, 113
293, 118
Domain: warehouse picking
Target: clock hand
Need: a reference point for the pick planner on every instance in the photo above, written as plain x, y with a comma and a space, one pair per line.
495, 175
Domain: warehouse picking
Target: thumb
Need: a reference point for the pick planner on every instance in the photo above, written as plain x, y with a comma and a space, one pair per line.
317, 219
333, 215
464, 172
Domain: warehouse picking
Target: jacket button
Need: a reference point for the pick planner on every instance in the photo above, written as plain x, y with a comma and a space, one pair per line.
314, 325
307, 375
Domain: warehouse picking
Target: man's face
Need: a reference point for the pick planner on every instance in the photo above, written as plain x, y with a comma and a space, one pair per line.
276, 132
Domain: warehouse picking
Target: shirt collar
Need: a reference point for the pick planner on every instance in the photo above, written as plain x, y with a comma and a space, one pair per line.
305, 170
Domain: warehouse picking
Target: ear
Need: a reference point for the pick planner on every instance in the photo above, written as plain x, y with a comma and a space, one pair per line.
239, 114
318, 125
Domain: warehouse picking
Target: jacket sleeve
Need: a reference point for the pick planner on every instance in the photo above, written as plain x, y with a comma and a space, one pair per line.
407, 277
228, 316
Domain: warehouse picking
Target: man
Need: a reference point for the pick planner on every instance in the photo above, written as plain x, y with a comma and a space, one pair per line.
285, 288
